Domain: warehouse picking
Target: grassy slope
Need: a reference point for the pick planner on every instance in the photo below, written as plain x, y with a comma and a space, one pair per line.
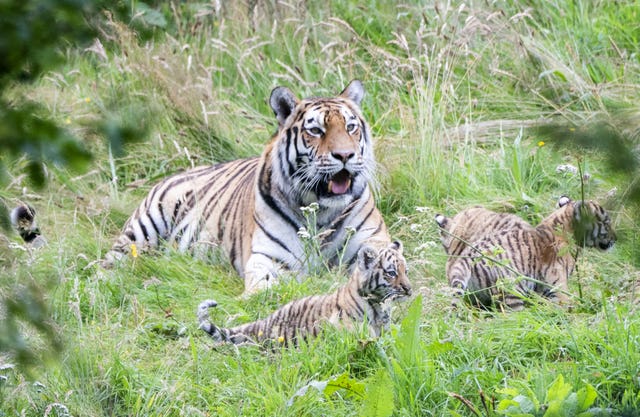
131, 343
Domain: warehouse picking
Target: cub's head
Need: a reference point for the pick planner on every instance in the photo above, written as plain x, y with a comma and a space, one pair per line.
384, 273
592, 225
323, 145
23, 220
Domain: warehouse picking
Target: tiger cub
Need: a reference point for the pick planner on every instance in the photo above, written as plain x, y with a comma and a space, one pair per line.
377, 277
539, 256
23, 221
470, 225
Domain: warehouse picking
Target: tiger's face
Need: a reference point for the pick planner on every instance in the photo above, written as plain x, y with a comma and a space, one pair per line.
592, 226
384, 274
324, 145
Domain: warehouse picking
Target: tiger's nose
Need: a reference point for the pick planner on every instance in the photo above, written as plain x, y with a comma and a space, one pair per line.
407, 289
343, 156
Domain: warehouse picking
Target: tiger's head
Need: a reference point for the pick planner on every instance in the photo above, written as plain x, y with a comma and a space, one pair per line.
383, 274
592, 225
23, 220
324, 149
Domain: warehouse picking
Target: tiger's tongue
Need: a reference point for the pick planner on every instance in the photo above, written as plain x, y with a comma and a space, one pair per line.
340, 183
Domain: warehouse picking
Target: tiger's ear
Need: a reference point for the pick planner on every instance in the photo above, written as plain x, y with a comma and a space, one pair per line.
442, 221
397, 245
282, 101
354, 92
563, 201
366, 257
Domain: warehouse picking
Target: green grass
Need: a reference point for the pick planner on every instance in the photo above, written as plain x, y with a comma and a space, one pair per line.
453, 92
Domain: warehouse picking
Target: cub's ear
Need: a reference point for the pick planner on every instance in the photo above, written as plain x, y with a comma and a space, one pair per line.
354, 92
563, 201
282, 101
397, 245
366, 257
442, 221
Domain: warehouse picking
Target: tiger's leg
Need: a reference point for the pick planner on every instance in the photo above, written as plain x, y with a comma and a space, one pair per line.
555, 287
513, 302
514, 298
260, 273
459, 275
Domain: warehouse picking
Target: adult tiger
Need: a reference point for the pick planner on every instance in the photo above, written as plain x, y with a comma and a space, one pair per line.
537, 259
379, 276
321, 153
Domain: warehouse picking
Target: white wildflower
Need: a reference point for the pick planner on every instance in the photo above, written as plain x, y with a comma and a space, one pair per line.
566, 169
311, 208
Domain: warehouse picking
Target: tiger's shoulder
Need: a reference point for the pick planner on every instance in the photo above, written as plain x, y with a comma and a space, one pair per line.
472, 224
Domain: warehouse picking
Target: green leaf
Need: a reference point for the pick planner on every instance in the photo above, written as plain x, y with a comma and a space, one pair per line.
436, 347
526, 405
352, 387
508, 405
408, 338
558, 391
378, 400
586, 397
319, 386
150, 16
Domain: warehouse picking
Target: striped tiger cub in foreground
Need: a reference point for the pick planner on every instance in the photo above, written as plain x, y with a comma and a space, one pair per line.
321, 154
378, 277
537, 258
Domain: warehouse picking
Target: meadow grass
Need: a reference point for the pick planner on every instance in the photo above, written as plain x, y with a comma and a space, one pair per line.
454, 90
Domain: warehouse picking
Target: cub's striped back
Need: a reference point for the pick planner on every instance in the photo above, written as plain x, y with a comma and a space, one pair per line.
320, 156
472, 224
378, 277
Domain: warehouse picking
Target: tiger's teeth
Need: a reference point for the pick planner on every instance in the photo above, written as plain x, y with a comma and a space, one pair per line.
330, 186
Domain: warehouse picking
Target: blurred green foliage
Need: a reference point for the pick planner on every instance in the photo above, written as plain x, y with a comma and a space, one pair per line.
34, 36
608, 137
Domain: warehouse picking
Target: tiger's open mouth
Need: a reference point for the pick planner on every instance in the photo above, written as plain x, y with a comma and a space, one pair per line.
340, 183
605, 245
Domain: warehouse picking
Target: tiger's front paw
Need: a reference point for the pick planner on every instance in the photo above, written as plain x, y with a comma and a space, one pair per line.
255, 285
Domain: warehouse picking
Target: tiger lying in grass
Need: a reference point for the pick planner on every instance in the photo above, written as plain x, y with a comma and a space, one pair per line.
377, 277
537, 258
322, 155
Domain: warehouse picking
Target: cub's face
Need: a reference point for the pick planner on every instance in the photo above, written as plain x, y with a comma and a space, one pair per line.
325, 145
592, 226
385, 273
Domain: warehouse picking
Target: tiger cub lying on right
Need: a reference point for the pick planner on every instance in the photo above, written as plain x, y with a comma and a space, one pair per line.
540, 256
378, 277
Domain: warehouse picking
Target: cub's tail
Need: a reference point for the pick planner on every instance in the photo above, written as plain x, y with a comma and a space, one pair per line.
205, 323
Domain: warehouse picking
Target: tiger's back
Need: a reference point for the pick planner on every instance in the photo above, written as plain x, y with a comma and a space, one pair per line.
471, 225
192, 208
377, 277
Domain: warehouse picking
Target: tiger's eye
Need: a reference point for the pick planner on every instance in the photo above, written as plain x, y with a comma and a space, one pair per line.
315, 131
